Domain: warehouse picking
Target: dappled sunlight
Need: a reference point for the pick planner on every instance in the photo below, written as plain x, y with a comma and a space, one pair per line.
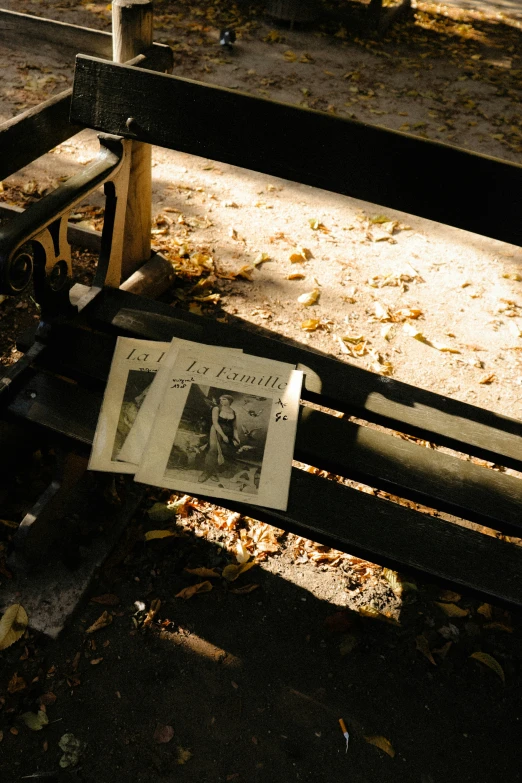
191, 642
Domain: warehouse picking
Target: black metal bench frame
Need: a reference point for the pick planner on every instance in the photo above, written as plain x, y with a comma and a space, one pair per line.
76, 343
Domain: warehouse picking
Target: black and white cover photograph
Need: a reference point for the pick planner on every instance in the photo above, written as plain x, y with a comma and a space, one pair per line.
221, 439
137, 439
136, 389
225, 428
133, 368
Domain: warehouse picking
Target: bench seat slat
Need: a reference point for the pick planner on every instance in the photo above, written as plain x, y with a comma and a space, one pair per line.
58, 405
325, 511
435, 479
456, 486
392, 535
329, 382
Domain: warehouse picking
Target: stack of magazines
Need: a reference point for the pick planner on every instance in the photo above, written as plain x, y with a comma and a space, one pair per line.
200, 419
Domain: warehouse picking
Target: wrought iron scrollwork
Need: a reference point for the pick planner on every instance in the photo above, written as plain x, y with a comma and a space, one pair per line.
34, 246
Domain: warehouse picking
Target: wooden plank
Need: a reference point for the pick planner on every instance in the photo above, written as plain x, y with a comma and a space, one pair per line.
403, 468
357, 452
329, 382
34, 132
397, 537
421, 177
19, 27
132, 23
59, 405
355, 522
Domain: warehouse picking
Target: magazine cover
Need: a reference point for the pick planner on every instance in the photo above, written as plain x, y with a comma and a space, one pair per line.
134, 366
225, 429
136, 440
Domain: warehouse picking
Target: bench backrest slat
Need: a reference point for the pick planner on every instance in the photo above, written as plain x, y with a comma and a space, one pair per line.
432, 180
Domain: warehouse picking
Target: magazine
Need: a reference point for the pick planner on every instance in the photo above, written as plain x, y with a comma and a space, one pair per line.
137, 438
225, 428
134, 365
133, 369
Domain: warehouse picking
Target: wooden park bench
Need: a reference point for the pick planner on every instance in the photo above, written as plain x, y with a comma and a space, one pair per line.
58, 384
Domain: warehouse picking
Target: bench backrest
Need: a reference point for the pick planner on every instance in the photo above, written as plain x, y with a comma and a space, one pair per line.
432, 180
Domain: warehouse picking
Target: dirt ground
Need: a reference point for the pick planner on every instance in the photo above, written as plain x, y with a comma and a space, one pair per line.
250, 685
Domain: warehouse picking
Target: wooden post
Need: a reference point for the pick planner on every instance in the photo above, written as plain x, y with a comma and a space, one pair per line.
132, 22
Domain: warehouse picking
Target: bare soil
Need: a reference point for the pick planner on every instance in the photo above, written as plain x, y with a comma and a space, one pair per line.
253, 684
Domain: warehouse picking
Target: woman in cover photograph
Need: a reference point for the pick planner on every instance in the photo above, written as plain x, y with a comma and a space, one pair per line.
223, 440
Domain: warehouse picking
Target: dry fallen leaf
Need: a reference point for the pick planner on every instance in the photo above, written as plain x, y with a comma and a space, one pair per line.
489, 661
103, 621
349, 338
155, 606
183, 756
296, 276
35, 720
452, 610
261, 259
309, 298
448, 596
12, 625
488, 378
407, 312
188, 592
107, 599
16, 684
443, 651
245, 272
206, 573
162, 733
423, 646
244, 590
372, 612
47, 698
413, 332
498, 627
442, 347
393, 579
380, 219
382, 743
311, 324
72, 748
349, 642
243, 555
150, 535
231, 572
486, 611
